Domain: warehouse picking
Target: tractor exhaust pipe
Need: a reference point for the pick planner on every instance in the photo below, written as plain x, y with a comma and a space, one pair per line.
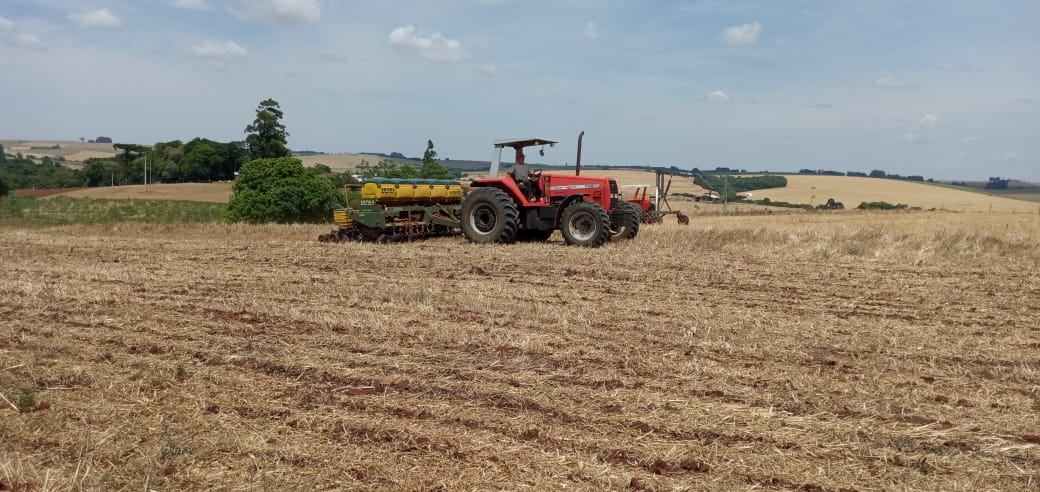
577, 162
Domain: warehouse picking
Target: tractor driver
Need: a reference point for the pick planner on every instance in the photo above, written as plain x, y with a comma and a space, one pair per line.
522, 176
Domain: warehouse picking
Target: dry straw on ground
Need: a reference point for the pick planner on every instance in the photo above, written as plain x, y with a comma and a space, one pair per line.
809, 352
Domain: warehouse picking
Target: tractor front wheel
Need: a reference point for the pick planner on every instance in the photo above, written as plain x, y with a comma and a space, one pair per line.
585, 224
489, 216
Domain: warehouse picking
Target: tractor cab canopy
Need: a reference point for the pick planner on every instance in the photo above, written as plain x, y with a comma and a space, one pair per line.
523, 142
515, 143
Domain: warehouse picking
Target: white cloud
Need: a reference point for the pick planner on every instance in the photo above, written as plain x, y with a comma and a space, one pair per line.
285, 12
219, 51
719, 97
488, 70
24, 40
920, 133
819, 105
742, 34
434, 47
100, 19
894, 83
1009, 156
29, 42
190, 4
972, 140
590, 31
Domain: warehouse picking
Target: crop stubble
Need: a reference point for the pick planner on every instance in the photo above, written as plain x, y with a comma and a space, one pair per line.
822, 352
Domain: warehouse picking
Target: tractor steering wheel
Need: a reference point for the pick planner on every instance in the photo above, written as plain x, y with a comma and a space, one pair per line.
535, 174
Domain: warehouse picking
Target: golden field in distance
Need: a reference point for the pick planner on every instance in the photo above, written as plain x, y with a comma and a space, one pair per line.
849, 351
74, 152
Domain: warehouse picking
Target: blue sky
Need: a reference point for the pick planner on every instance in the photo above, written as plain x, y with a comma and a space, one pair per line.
946, 89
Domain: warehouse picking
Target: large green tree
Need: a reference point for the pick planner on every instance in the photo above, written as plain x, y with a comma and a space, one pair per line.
281, 190
266, 136
431, 169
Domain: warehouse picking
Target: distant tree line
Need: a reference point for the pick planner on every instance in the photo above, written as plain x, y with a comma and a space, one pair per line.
167, 162
20, 172
728, 186
996, 183
877, 173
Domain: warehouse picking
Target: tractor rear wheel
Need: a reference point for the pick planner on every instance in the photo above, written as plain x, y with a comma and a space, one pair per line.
489, 216
624, 221
585, 224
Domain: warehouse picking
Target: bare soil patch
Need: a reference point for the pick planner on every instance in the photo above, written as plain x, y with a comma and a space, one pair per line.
798, 352
44, 192
203, 192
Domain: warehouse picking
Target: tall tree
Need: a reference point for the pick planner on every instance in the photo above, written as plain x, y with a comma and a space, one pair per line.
266, 137
431, 169
430, 154
3, 157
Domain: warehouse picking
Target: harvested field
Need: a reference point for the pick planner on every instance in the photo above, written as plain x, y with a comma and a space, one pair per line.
340, 162
72, 151
848, 351
201, 192
853, 190
83, 155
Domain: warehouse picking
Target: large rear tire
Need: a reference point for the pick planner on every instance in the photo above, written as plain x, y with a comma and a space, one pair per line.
585, 224
624, 221
489, 216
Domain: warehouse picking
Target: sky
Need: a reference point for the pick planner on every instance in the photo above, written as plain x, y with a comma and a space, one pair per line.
948, 89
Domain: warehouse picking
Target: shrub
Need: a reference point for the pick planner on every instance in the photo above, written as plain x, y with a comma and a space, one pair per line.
771, 203
881, 206
182, 372
281, 190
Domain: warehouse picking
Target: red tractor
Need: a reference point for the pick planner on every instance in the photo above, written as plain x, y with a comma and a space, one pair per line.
528, 205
